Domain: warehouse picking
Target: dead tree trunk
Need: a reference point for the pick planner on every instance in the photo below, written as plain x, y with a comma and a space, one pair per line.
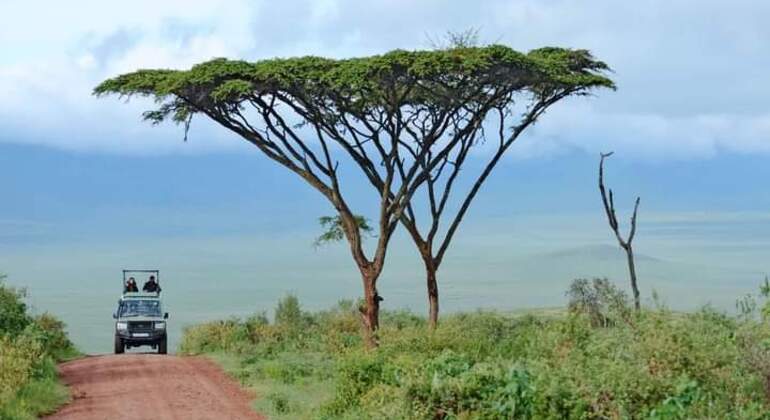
632, 273
609, 208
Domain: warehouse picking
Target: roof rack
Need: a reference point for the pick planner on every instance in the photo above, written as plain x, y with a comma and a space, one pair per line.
140, 295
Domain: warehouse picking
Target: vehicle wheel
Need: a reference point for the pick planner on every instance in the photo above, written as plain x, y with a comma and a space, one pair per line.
162, 346
119, 346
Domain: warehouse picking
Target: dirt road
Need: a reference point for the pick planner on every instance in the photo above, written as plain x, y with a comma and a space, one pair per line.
148, 386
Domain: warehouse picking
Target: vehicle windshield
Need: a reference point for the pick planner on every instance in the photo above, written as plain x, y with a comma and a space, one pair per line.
143, 307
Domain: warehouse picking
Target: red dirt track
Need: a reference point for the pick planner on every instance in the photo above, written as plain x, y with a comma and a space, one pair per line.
148, 386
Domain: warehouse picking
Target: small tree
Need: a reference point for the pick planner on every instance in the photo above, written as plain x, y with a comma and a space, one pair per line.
397, 117
609, 209
603, 303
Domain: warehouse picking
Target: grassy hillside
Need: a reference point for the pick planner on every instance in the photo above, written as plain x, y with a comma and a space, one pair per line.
597, 360
30, 346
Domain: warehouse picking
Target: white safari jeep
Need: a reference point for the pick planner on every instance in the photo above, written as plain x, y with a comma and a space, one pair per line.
139, 318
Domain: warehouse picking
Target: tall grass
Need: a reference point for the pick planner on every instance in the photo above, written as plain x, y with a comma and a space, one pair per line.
594, 361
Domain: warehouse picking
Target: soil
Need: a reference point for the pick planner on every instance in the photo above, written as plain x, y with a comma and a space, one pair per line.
149, 386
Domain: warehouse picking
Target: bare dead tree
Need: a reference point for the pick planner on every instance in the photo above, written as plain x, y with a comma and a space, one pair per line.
609, 209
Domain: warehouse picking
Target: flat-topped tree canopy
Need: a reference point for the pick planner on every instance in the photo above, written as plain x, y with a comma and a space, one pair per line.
430, 78
432, 93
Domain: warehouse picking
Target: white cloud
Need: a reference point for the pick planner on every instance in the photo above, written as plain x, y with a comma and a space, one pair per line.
582, 125
691, 73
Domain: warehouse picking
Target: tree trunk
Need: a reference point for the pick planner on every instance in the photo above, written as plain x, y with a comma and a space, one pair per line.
431, 283
632, 273
370, 311
432, 298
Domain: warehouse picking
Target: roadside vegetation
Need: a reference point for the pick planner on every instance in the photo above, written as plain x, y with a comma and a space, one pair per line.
597, 359
30, 346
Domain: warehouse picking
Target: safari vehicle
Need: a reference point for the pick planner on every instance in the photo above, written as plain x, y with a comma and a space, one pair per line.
139, 318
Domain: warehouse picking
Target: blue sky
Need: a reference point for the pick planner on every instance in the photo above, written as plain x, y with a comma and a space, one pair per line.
690, 123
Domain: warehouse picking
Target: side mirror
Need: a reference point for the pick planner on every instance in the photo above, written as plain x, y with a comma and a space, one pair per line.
114, 315
165, 316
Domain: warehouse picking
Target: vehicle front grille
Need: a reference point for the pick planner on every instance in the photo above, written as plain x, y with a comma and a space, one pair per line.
140, 326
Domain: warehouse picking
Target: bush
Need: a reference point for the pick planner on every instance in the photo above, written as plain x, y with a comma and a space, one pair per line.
454, 386
601, 301
13, 311
600, 360
29, 348
19, 359
289, 313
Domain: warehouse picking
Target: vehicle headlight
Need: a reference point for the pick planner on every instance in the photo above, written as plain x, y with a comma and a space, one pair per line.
160, 325
122, 326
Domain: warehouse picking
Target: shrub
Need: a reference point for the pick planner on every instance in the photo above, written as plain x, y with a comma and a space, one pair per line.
19, 359
279, 402
288, 313
29, 348
230, 335
453, 386
13, 311
356, 373
600, 300
488, 365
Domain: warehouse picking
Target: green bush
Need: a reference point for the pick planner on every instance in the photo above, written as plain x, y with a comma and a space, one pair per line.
29, 348
13, 310
19, 360
489, 365
601, 301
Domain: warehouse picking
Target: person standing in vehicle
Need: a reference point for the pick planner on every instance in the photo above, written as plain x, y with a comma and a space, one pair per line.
151, 286
130, 286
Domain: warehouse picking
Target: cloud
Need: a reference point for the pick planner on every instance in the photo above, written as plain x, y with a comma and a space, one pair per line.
581, 125
690, 73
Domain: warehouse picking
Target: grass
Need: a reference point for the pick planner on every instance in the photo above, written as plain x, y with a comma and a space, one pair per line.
282, 394
38, 397
599, 359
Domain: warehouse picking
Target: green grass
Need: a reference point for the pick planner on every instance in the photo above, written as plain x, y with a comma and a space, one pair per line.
284, 387
602, 361
38, 397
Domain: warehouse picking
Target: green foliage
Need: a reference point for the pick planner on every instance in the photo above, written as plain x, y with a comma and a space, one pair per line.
686, 393
279, 402
288, 313
19, 360
40, 396
13, 310
764, 291
433, 78
490, 365
601, 301
29, 348
333, 232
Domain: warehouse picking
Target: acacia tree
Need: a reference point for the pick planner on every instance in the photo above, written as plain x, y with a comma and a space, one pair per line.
578, 74
608, 201
397, 117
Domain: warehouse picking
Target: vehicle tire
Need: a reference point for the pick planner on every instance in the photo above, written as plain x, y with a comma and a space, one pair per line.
162, 346
119, 346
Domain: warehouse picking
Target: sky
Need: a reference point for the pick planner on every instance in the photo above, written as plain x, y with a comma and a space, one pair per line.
690, 73
689, 122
